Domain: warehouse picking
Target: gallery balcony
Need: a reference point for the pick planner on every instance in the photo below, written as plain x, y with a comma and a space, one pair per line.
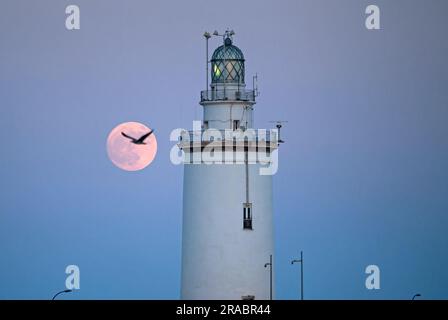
230, 94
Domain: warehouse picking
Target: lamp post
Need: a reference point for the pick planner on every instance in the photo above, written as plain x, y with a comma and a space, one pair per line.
63, 291
416, 295
270, 275
301, 272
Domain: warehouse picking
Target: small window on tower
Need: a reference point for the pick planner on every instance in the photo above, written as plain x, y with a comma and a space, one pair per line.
236, 124
247, 216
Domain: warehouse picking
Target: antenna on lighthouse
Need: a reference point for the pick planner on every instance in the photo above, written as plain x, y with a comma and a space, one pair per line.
255, 85
207, 36
279, 125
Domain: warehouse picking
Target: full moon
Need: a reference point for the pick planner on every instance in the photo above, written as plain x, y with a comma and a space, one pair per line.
127, 155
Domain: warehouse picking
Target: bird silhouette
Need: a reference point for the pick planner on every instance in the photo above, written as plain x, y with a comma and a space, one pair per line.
139, 140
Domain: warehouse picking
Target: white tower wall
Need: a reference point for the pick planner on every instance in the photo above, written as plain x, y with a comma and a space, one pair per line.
219, 116
221, 260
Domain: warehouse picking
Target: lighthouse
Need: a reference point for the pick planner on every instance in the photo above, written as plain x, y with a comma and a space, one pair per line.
227, 227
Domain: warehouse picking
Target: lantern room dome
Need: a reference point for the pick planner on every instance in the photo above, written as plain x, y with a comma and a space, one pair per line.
227, 64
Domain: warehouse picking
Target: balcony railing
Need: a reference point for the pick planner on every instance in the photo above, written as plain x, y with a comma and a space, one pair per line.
230, 94
269, 137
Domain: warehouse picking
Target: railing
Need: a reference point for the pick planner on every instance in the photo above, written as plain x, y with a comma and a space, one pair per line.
229, 147
269, 136
229, 94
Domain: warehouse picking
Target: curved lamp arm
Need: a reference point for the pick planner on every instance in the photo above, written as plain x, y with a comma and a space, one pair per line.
63, 291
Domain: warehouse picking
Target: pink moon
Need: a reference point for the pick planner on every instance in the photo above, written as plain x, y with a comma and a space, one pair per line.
127, 155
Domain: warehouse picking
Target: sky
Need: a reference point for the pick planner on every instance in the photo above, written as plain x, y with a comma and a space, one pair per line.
363, 174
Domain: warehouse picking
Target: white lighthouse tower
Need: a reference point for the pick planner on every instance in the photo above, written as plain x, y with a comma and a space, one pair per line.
227, 236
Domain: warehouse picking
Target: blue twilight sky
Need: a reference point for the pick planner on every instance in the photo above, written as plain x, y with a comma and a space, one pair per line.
363, 175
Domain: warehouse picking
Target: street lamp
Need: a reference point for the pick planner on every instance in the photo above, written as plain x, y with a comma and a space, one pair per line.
270, 275
63, 291
301, 272
416, 295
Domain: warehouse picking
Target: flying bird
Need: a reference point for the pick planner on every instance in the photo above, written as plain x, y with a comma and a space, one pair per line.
139, 140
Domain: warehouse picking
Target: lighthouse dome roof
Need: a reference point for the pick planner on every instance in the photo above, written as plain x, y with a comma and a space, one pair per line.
227, 52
